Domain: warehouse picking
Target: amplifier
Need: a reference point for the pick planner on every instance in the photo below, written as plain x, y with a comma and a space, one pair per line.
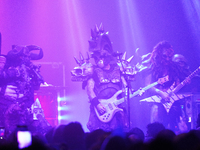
195, 109
48, 100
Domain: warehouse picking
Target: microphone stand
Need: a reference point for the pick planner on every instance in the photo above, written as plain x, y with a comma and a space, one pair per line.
128, 89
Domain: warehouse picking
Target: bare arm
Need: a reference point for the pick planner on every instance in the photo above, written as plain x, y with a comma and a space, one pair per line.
155, 90
93, 98
90, 89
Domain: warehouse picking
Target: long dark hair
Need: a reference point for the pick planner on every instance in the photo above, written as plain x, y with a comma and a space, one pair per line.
157, 66
156, 56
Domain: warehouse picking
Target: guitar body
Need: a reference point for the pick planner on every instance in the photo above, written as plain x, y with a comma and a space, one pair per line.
110, 106
167, 104
174, 97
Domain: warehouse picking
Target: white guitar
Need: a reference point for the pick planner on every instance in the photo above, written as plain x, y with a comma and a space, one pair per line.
174, 97
111, 104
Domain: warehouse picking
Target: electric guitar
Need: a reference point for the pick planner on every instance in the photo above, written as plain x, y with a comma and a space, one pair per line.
111, 104
172, 91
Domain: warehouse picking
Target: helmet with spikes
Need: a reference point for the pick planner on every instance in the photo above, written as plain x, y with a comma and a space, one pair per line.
99, 40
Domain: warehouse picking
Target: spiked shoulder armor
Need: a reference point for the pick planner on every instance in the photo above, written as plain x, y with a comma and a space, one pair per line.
84, 69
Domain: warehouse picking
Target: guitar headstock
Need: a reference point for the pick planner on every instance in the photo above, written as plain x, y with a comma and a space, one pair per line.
163, 80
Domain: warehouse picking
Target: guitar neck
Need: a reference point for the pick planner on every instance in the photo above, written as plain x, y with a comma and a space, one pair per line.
182, 84
144, 89
121, 100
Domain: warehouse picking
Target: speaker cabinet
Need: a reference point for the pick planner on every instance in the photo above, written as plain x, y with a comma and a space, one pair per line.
196, 109
48, 100
54, 78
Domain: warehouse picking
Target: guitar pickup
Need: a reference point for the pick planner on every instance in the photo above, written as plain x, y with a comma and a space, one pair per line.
110, 106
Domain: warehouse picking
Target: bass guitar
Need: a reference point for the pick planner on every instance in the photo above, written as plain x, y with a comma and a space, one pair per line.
111, 104
172, 92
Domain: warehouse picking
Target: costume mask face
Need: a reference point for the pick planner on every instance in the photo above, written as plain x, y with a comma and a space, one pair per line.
180, 59
102, 58
100, 63
167, 55
100, 46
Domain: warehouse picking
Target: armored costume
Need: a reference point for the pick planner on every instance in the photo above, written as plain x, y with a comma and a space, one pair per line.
2, 83
102, 81
21, 77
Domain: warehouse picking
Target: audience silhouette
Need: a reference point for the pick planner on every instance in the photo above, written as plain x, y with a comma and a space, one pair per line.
73, 137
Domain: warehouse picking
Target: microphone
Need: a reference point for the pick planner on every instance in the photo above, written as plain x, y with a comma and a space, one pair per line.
115, 54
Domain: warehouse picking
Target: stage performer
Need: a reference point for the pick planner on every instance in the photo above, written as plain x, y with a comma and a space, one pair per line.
184, 68
103, 82
2, 83
21, 77
166, 107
